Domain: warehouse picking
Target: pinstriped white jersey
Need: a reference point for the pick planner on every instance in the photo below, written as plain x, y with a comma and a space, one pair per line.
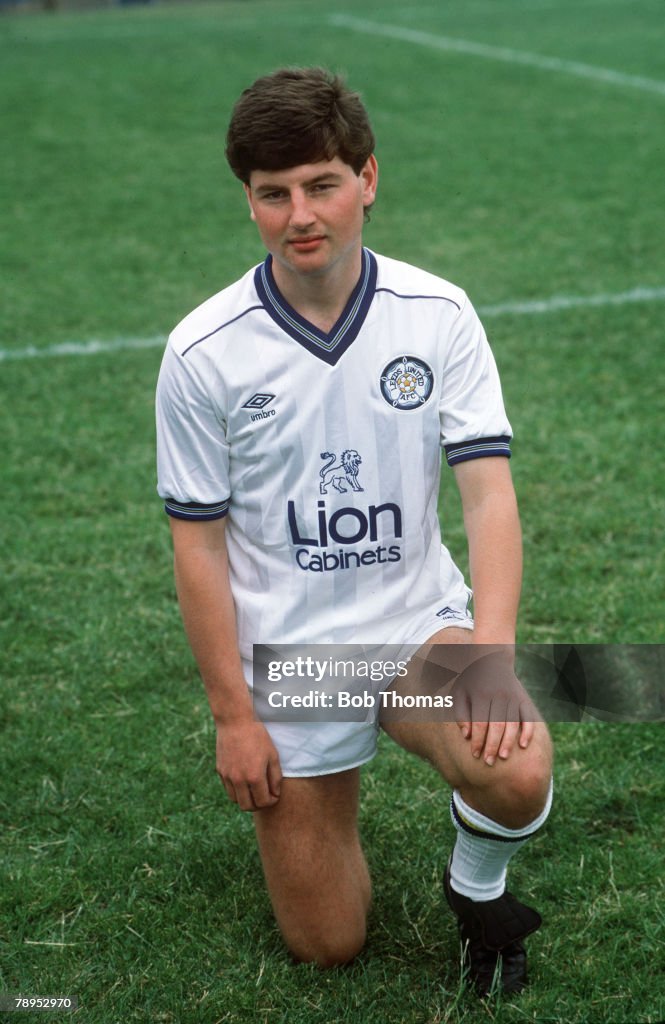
324, 450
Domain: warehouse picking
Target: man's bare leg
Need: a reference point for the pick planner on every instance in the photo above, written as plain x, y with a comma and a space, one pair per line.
496, 807
512, 791
315, 868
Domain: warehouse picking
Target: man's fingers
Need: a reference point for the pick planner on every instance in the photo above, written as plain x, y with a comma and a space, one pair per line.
274, 777
526, 734
497, 739
230, 789
248, 765
462, 707
248, 796
495, 734
245, 797
510, 735
253, 796
478, 737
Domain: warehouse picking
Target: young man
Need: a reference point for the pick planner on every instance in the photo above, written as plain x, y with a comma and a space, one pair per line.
301, 414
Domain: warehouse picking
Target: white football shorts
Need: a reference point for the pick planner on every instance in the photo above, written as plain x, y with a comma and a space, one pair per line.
322, 748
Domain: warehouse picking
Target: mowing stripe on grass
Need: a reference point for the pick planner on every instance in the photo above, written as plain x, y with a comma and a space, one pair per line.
502, 53
530, 306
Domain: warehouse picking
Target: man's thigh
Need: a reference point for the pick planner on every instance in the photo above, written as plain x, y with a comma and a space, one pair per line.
433, 736
314, 866
511, 790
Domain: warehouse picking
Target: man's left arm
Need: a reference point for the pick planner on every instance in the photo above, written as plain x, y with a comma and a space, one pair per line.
494, 536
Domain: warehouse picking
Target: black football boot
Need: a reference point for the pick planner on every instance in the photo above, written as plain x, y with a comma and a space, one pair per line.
491, 933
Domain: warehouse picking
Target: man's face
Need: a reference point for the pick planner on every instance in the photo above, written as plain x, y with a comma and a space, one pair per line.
311, 217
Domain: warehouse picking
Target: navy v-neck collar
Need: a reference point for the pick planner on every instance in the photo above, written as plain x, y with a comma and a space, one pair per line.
328, 347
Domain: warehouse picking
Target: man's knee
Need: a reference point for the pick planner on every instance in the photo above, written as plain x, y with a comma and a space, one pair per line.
328, 951
520, 788
531, 782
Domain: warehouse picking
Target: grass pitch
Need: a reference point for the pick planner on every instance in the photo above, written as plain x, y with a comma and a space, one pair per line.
127, 878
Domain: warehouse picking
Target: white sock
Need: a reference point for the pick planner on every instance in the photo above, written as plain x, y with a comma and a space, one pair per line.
483, 849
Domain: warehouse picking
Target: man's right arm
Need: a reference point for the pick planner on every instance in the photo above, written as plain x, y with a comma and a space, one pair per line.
247, 760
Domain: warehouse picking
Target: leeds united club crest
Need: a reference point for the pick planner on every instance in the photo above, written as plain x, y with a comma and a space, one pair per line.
406, 383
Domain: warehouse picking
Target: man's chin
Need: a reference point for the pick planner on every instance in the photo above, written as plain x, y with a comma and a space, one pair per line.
310, 264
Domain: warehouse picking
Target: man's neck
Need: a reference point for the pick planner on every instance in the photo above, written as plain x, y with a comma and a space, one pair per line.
319, 297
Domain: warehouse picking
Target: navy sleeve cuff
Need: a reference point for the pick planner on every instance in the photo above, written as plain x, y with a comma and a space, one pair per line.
479, 448
194, 511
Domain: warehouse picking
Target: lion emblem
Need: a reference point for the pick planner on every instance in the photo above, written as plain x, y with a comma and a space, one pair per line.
344, 473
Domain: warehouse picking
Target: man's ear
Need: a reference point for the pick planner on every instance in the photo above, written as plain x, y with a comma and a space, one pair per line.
369, 176
248, 193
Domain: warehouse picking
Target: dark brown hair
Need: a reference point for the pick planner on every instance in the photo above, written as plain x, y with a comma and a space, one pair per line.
297, 116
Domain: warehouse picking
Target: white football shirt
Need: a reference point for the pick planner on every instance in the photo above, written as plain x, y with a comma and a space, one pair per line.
324, 450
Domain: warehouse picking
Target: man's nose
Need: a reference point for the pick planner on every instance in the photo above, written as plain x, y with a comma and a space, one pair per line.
302, 214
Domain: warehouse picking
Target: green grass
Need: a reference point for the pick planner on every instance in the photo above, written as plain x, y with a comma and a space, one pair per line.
127, 878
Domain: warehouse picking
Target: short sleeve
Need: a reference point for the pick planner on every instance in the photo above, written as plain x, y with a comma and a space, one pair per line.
471, 411
192, 449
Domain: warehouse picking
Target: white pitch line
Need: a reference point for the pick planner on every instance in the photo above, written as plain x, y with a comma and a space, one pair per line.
81, 348
557, 302
502, 53
527, 307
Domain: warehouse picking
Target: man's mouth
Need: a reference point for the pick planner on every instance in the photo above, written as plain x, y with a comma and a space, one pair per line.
307, 243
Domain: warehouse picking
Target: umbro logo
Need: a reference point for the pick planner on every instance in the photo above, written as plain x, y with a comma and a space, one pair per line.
258, 401
449, 613
257, 404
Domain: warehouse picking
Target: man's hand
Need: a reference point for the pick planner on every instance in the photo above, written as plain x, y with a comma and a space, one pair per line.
248, 765
493, 709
